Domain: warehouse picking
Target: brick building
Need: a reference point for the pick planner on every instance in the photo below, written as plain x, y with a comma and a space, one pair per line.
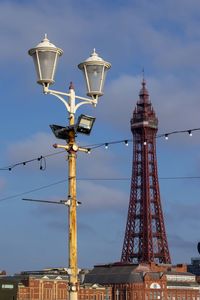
47, 285
146, 281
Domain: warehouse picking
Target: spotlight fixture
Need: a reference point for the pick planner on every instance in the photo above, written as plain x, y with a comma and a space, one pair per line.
190, 132
60, 132
85, 124
166, 136
126, 142
106, 145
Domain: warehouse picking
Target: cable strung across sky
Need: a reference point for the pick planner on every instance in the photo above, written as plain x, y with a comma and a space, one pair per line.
42, 158
91, 179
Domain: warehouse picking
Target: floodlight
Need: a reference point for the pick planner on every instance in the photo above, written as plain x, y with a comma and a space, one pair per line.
85, 124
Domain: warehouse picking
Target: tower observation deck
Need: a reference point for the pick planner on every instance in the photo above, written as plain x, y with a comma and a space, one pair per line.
145, 238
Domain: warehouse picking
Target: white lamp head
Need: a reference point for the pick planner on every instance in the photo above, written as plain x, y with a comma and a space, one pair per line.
94, 69
45, 56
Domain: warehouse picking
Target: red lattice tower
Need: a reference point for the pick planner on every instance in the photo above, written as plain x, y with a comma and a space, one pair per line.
145, 238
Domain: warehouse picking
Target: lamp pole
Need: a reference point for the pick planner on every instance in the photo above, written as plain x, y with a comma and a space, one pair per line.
45, 56
72, 213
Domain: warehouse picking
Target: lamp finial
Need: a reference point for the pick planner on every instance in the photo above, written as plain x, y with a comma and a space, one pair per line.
71, 86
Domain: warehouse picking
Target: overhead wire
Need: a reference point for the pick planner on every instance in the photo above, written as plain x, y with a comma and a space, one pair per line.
32, 190
42, 158
42, 163
90, 179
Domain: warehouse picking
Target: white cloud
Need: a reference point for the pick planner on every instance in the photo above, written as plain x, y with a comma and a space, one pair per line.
96, 196
176, 105
99, 164
133, 29
161, 37
34, 146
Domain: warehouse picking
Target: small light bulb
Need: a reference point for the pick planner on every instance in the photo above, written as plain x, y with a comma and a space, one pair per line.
166, 136
95, 72
89, 151
106, 145
190, 132
145, 143
126, 142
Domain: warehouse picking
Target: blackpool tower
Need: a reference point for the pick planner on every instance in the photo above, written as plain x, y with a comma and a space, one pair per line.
145, 238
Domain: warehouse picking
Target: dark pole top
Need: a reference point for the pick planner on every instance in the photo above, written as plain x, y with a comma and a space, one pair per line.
144, 94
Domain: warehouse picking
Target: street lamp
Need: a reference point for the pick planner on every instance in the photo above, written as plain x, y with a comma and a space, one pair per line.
94, 69
45, 56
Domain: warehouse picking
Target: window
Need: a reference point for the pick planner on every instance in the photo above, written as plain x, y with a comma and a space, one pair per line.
155, 285
7, 286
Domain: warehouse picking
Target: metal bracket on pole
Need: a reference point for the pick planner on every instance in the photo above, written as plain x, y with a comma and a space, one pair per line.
70, 272
82, 149
73, 147
66, 147
70, 104
68, 202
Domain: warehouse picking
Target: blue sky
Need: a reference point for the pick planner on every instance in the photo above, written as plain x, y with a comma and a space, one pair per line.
160, 36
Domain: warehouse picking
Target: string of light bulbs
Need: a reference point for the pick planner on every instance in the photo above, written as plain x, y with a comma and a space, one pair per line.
127, 141
42, 158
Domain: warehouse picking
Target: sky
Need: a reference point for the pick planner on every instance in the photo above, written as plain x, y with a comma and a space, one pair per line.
161, 37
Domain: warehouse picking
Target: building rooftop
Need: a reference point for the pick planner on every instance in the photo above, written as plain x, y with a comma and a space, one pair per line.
119, 273
113, 274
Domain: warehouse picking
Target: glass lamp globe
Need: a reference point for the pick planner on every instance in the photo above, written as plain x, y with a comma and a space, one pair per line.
94, 69
45, 56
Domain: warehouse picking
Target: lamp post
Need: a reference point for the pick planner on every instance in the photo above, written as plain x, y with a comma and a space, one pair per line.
45, 56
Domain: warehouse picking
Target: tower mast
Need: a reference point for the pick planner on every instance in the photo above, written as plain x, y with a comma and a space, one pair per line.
145, 239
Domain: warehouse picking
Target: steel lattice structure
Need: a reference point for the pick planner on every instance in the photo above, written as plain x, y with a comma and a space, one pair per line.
145, 237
